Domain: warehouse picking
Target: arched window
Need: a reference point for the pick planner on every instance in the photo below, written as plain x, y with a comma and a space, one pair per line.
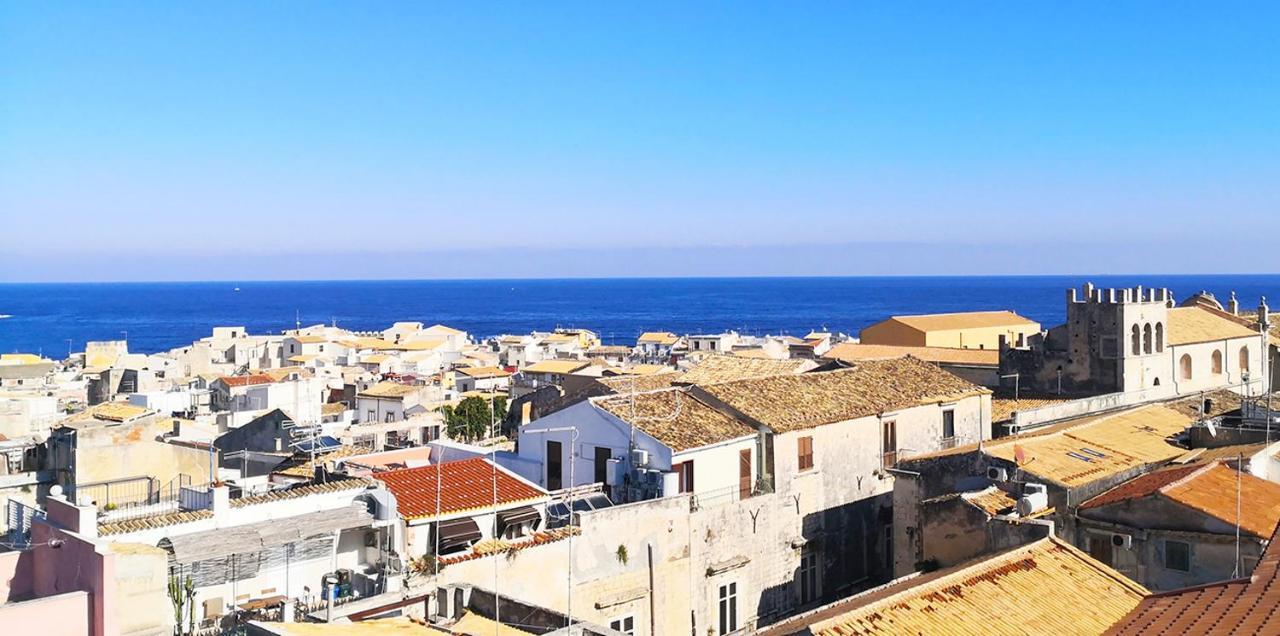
1159, 336
1156, 383
1146, 338
1217, 362
1244, 358
1185, 365
1136, 337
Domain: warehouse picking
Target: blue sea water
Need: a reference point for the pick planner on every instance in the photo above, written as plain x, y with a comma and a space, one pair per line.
160, 316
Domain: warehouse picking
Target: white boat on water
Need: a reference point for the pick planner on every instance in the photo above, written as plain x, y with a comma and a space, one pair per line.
3, 316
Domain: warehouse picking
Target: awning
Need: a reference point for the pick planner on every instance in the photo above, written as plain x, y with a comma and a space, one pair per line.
456, 532
517, 516
254, 537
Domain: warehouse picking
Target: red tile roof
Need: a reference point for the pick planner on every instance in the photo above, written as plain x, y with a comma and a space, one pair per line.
466, 484
1139, 487
1209, 488
247, 380
1240, 606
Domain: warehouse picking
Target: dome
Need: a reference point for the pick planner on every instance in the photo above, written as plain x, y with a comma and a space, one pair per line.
1202, 299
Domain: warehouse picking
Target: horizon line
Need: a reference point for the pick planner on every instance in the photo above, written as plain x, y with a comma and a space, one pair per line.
442, 279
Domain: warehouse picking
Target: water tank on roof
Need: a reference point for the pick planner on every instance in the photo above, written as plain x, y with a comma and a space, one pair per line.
1035, 497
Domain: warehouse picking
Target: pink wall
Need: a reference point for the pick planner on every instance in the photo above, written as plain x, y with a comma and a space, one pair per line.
61, 615
75, 565
15, 576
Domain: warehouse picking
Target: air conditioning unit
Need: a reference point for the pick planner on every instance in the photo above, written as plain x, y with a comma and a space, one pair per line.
615, 474
639, 457
1122, 541
995, 473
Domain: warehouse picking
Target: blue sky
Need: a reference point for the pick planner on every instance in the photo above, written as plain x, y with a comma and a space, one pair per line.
286, 139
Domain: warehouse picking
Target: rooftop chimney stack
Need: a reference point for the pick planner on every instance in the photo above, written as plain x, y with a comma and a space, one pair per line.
1233, 305
1264, 315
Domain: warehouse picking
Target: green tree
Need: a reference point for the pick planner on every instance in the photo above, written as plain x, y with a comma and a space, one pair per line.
473, 418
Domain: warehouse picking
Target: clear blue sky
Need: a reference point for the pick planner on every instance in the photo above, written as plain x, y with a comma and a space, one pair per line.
293, 139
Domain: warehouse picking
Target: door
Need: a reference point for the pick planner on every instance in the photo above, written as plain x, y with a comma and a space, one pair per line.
602, 457
744, 474
555, 457
1100, 548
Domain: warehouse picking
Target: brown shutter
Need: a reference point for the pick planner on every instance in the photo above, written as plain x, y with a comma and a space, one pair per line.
744, 474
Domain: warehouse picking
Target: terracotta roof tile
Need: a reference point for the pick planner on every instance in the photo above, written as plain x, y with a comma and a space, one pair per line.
1212, 491
640, 383
154, 521
387, 389
1189, 325
1047, 587
1139, 487
304, 490
723, 368
964, 320
246, 380
556, 366
675, 418
466, 484
854, 351
1237, 607
794, 402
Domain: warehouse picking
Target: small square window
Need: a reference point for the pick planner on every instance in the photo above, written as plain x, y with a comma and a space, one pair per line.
626, 625
1177, 556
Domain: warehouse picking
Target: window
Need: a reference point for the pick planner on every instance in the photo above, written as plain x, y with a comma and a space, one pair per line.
626, 625
1135, 338
889, 444
685, 470
948, 428
1217, 363
373, 416
1184, 364
390, 417
888, 549
1244, 358
555, 458
1159, 337
804, 448
808, 576
728, 608
1177, 556
713, 345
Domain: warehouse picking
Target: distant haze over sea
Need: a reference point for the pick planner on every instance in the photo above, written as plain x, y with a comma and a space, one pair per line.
161, 316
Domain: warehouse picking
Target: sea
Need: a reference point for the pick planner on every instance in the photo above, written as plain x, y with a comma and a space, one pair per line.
54, 318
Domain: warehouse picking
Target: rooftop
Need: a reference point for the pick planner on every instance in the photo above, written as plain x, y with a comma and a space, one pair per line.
1096, 447
1046, 587
1209, 489
1189, 325
675, 418
246, 380
658, 337
466, 484
853, 352
560, 367
638, 383
724, 368
964, 320
388, 389
793, 402
112, 412
483, 372
1240, 606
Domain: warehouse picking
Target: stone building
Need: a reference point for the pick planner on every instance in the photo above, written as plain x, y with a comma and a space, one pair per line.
1136, 340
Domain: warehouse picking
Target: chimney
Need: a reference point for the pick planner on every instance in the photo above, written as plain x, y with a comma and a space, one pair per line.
219, 499
1233, 305
1264, 315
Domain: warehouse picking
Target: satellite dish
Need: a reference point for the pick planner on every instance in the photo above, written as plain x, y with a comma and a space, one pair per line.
56, 491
